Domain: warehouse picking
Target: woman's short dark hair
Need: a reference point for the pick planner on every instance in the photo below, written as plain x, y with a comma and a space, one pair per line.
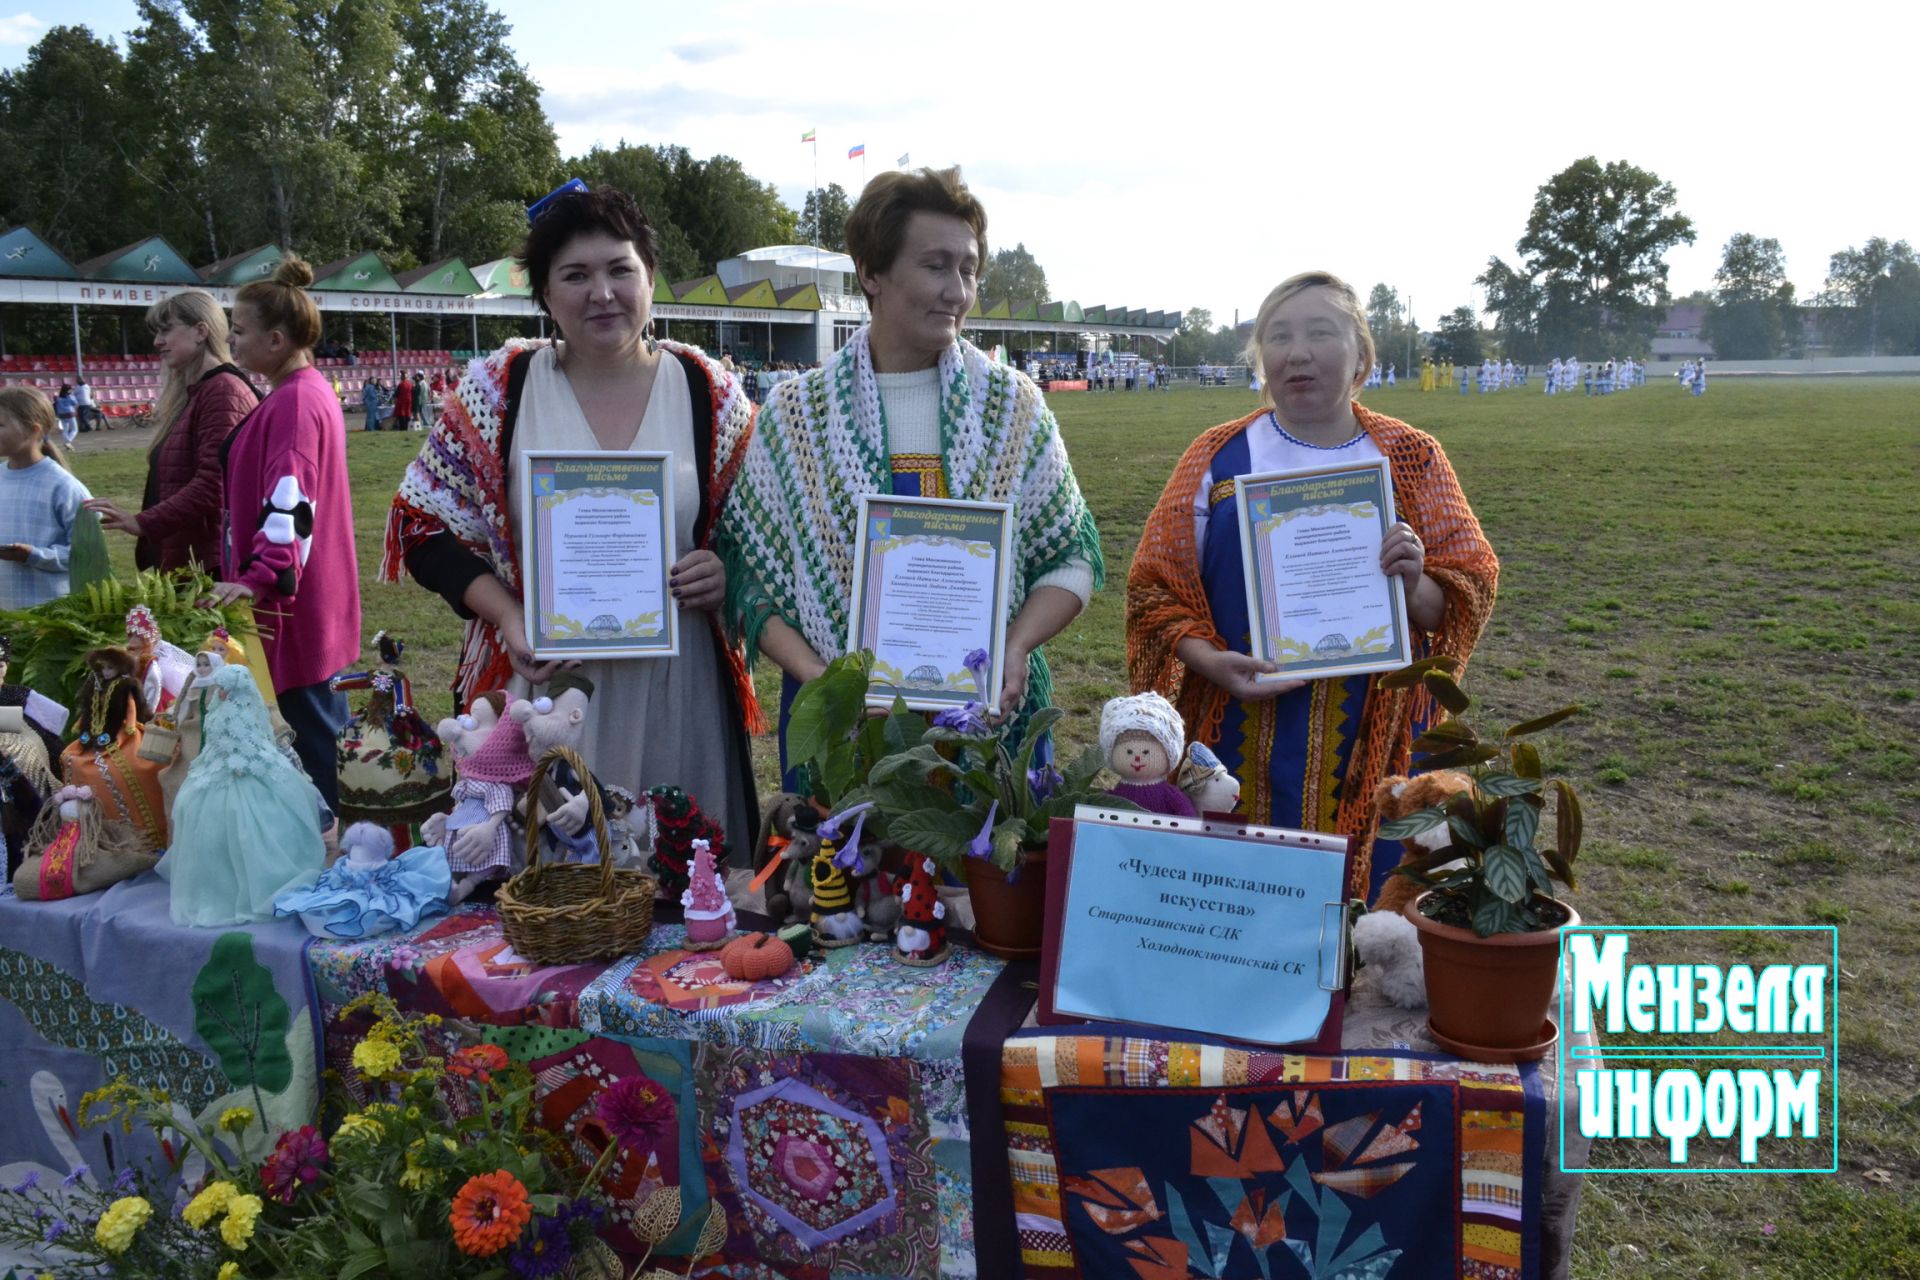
605, 209
877, 227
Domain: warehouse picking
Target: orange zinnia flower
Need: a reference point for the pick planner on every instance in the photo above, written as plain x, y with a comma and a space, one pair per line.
488, 1213
478, 1061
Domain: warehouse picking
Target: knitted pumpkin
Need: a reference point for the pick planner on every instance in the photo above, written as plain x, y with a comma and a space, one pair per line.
756, 957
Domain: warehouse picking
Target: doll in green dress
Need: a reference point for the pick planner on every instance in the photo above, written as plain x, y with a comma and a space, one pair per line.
243, 823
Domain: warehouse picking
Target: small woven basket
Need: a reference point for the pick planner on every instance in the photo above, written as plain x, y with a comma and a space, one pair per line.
570, 912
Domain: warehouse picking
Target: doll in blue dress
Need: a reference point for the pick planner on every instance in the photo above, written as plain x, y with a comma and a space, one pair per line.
243, 821
368, 891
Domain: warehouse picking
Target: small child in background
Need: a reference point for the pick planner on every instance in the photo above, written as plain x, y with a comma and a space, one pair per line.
67, 408
39, 500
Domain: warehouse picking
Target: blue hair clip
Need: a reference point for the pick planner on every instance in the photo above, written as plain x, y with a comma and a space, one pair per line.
545, 202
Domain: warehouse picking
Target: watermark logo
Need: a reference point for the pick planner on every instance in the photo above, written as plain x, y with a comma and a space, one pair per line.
1700, 1049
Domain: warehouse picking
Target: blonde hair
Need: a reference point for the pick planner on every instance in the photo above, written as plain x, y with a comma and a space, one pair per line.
283, 302
1343, 297
189, 308
31, 406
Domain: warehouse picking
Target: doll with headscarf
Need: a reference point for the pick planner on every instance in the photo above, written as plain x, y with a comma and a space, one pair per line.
244, 830
105, 754
1141, 737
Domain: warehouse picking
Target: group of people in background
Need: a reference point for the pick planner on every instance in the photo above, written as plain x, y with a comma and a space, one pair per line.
1599, 378
411, 404
1693, 376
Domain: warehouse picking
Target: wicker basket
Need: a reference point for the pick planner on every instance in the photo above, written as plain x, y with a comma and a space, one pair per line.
569, 912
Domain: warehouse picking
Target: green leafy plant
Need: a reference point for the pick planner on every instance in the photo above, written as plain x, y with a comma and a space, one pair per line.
830, 733
1506, 884
51, 640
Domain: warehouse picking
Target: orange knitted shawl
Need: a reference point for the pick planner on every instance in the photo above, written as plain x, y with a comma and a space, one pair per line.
1167, 602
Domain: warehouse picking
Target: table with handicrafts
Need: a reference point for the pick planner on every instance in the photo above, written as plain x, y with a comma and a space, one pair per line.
1134, 1155
827, 1111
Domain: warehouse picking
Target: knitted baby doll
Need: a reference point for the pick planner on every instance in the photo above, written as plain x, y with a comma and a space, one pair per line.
1141, 737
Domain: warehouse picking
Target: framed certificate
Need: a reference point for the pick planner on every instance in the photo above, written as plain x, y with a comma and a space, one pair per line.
931, 579
1317, 603
1199, 925
596, 544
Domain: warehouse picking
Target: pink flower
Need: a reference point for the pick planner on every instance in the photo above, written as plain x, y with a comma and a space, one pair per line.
298, 1158
638, 1112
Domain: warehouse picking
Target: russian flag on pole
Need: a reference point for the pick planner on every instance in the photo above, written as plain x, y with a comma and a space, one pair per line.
857, 149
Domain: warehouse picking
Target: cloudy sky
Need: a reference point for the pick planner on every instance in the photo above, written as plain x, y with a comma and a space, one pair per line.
1195, 155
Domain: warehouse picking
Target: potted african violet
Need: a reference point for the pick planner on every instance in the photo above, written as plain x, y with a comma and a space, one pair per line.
961, 791
1490, 927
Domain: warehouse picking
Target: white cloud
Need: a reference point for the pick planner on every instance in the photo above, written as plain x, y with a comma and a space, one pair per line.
20, 28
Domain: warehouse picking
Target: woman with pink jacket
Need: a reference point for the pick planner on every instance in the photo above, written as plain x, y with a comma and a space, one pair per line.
288, 542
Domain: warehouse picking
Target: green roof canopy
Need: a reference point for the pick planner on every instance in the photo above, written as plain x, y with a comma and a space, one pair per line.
449, 276
1027, 311
754, 293
244, 268
700, 291
362, 274
505, 276
23, 253
149, 261
801, 297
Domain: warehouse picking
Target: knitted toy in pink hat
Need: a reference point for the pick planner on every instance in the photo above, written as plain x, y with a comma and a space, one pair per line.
503, 757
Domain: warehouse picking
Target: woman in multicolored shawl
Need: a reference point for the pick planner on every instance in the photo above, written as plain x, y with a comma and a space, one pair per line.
906, 407
1308, 754
608, 385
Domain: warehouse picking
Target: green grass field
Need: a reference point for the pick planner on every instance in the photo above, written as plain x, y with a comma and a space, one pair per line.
1731, 586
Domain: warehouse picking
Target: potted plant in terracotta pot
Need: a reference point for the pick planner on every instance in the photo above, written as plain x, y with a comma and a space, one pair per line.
1489, 926
959, 793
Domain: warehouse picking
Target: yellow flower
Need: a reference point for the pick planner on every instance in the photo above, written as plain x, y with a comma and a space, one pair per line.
359, 1126
413, 1113
234, 1119
414, 1178
117, 1225
228, 1271
237, 1228
432, 1019
375, 1058
209, 1204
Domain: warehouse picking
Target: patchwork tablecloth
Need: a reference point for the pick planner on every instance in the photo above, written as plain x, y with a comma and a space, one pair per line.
826, 1112
105, 986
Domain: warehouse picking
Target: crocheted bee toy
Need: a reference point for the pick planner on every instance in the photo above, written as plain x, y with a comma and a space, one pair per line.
676, 822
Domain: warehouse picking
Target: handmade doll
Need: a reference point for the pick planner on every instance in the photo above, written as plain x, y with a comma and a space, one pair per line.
708, 912
1207, 782
675, 820
368, 891
1141, 737
244, 830
620, 804
26, 780
391, 762
462, 735
105, 755
835, 918
162, 668
921, 938
789, 837
555, 721
72, 851
480, 831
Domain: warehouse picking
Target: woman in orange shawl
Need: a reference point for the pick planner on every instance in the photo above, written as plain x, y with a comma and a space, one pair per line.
1308, 753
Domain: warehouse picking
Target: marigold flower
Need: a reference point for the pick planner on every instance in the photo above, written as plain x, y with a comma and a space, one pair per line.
375, 1058
234, 1119
359, 1125
228, 1271
209, 1204
488, 1213
124, 1217
237, 1227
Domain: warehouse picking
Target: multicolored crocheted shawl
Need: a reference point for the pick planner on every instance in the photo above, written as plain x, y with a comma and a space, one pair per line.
1166, 602
822, 443
458, 485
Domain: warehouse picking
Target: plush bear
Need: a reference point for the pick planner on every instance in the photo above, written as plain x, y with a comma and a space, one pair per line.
1398, 796
1385, 940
